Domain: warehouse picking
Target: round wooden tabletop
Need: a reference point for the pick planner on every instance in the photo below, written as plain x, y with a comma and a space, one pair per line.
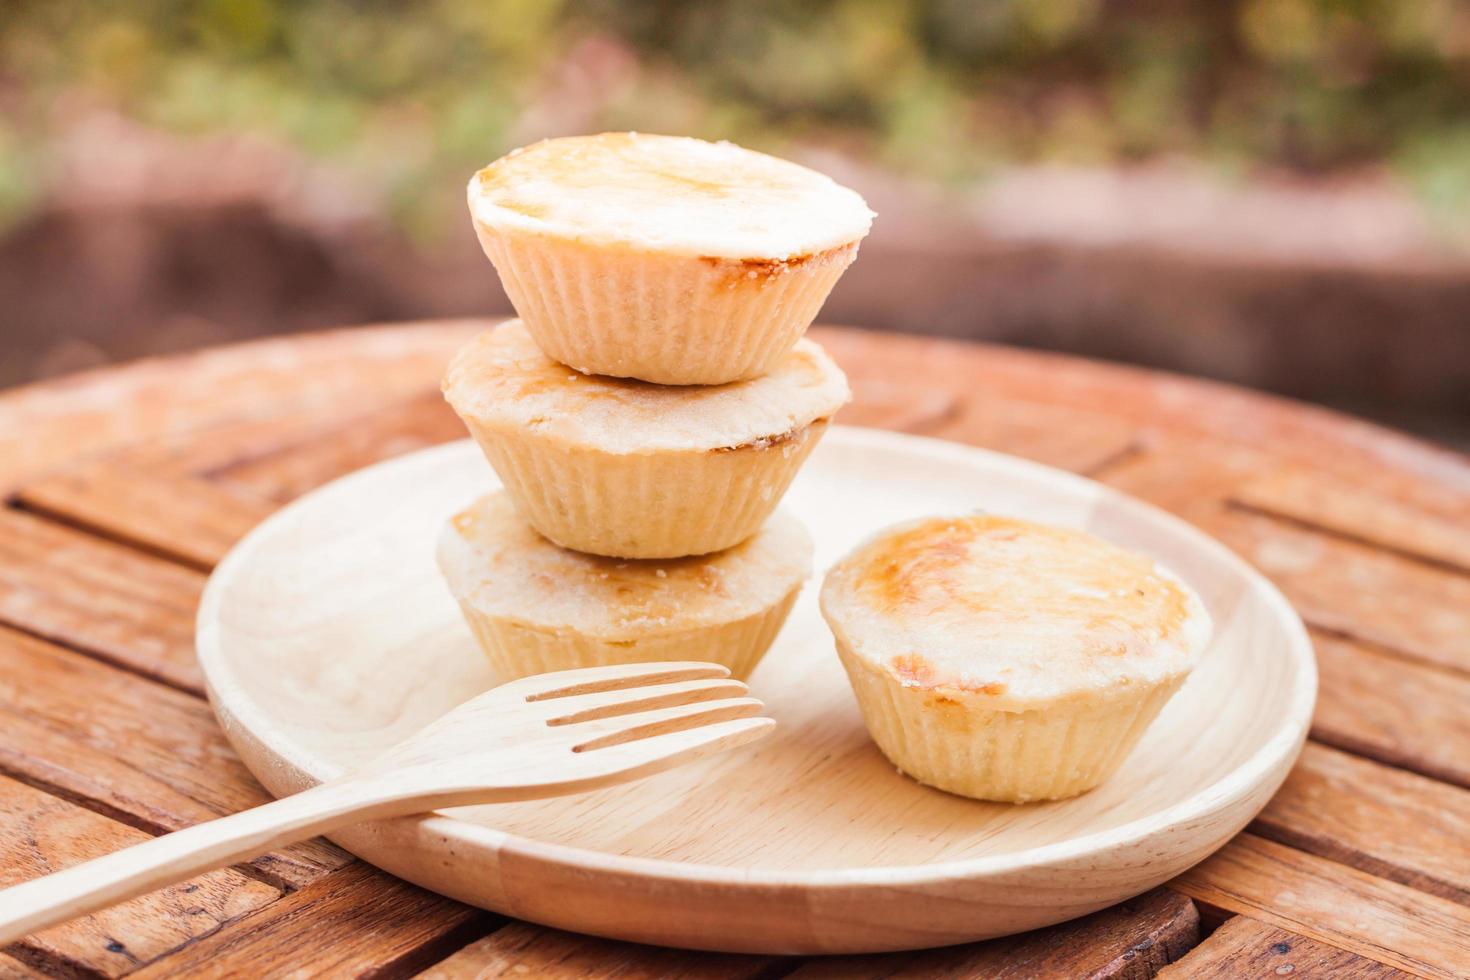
125, 486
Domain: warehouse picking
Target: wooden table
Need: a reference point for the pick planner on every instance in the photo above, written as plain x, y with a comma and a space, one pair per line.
125, 486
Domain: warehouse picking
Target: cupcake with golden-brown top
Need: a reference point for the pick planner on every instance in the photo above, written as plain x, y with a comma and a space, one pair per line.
664, 258
629, 469
534, 606
1007, 660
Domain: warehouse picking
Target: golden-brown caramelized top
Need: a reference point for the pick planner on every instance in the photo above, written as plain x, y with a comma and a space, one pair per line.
669, 194
1017, 610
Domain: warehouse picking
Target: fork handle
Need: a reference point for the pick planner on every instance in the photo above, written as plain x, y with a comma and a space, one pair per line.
107, 880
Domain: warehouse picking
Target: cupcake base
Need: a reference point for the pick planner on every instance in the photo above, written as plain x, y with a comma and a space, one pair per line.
952, 741
518, 650
665, 318
654, 505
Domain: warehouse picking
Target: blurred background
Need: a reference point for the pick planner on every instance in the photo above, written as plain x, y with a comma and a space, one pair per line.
1269, 192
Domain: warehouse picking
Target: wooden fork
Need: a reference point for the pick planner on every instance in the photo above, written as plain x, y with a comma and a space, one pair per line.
546, 735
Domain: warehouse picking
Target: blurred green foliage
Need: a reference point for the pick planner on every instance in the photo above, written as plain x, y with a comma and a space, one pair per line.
408, 96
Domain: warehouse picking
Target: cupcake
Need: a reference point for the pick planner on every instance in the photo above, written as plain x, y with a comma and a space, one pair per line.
664, 258
535, 607
1005, 660
635, 470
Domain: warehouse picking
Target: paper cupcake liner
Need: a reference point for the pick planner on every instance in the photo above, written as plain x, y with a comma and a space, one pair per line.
654, 505
517, 650
955, 743
669, 319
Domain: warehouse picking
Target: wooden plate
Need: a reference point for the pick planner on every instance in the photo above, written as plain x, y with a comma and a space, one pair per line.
327, 634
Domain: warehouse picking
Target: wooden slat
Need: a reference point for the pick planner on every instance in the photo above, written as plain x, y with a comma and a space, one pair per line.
218, 444
1200, 415
185, 518
1370, 518
904, 405
1384, 821
1335, 904
1079, 441
1052, 434
355, 922
125, 607
148, 755
13, 969
1356, 590
1408, 715
1194, 481
1371, 595
523, 950
348, 445
281, 455
55, 424
1243, 947
1131, 940
41, 833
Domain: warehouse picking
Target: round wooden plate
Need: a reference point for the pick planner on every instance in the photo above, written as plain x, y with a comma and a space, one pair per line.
327, 634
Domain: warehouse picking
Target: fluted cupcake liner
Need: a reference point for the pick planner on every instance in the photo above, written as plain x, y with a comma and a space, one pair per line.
654, 505
953, 741
668, 319
518, 650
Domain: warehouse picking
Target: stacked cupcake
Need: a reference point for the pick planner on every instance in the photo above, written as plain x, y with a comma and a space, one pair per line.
652, 404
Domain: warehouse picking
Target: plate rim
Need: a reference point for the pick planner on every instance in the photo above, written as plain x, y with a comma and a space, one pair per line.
1275, 755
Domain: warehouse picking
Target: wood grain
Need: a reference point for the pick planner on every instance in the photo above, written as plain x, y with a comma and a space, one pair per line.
13, 969
400, 427
1403, 714
1369, 518
189, 520
108, 600
53, 425
1334, 904
355, 922
1127, 942
1367, 594
40, 833
266, 453
1244, 947
901, 404
1052, 434
1399, 603
1387, 822
147, 755
1191, 479
520, 950
1201, 416
217, 444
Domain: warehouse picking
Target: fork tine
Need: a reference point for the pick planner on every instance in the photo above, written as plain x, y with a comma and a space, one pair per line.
649, 755
612, 704
592, 680
597, 735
